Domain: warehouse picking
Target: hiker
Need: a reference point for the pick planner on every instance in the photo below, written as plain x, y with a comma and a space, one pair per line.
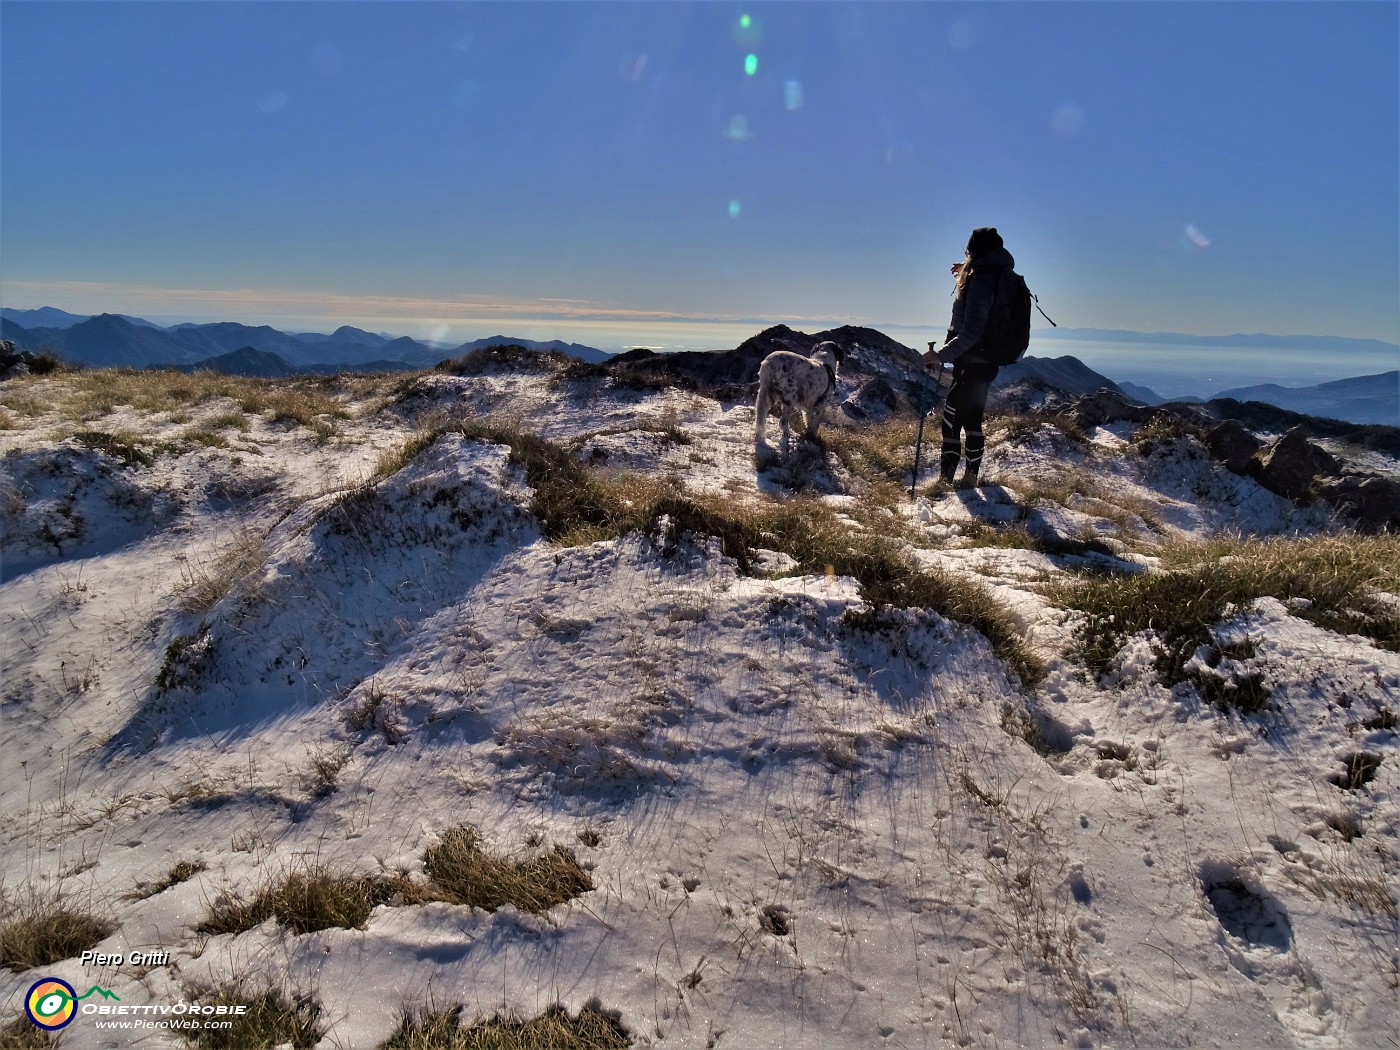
966, 402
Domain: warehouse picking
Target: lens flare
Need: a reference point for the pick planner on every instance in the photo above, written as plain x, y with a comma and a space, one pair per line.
1196, 237
734, 209
738, 128
747, 31
792, 95
1067, 120
750, 64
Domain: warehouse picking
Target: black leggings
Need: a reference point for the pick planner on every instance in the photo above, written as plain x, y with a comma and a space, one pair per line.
962, 412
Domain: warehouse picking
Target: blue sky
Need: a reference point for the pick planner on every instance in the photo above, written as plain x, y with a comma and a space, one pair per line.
1207, 168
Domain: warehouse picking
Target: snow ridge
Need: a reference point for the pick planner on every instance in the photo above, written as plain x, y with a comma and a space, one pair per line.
806, 820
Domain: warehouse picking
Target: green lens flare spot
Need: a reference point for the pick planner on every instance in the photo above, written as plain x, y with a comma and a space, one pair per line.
733, 209
751, 65
745, 21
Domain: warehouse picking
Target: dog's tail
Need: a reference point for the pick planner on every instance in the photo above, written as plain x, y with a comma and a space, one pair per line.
760, 409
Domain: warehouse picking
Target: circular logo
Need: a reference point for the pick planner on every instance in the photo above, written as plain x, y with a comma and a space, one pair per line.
51, 1003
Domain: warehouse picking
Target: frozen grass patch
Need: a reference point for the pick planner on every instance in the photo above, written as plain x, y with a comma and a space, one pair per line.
42, 932
21, 1034
1332, 581
206, 584
592, 1028
312, 899
463, 873
272, 1018
181, 872
577, 505
306, 401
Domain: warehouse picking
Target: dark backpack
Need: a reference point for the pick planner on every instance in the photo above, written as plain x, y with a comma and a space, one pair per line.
1008, 330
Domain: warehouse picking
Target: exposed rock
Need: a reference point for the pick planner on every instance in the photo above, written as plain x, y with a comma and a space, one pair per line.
733, 374
1371, 501
876, 399
1292, 466
1107, 406
14, 362
1233, 445
1258, 416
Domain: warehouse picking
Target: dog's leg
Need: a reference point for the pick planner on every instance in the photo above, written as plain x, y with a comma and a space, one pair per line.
760, 410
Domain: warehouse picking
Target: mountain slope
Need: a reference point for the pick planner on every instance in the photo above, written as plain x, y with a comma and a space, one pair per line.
831, 759
245, 361
110, 341
577, 350
1362, 399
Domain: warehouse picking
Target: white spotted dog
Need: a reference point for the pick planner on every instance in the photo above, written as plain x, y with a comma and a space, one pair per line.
795, 384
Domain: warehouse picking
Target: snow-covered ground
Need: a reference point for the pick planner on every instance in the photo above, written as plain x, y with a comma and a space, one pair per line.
802, 829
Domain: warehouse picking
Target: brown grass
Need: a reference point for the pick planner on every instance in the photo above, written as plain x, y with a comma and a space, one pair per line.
591, 1028
311, 899
273, 1018
40, 933
181, 872
463, 873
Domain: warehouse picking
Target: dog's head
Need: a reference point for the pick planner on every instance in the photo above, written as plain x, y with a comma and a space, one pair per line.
831, 353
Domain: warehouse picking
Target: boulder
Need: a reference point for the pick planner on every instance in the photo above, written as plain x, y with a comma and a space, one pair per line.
1292, 466
1106, 406
875, 399
1234, 445
1371, 501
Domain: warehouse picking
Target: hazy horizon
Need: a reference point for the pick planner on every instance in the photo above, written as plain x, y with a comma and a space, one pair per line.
1169, 370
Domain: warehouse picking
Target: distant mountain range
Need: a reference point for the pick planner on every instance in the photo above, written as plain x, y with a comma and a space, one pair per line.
117, 340
114, 340
1260, 341
1362, 399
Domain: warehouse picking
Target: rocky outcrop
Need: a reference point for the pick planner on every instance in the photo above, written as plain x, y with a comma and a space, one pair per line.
1234, 445
1292, 466
1371, 502
1106, 406
15, 363
866, 355
877, 400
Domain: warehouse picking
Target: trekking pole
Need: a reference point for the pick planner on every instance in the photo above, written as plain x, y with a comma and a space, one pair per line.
919, 441
923, 415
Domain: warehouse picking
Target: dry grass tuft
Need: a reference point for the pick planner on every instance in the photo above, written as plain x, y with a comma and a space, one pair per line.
1332, 581
181, 872
592, 1028
22, 1034
273, 1018
462, 873
207, 584
39, 933
312, 899
377, 711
